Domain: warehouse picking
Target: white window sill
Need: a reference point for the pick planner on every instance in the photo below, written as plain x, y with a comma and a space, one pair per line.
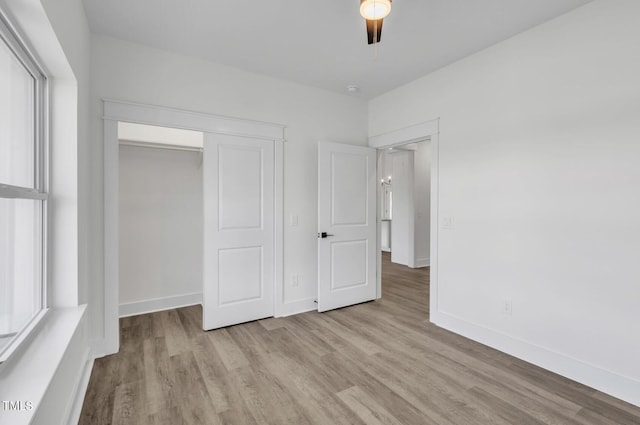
26, 375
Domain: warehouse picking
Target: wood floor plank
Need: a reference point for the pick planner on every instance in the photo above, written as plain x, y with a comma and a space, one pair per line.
607, 399
223, 391
545, 409
272, 323
468, 373
157, 381
265, 400
215, 378
231, 355
166, 416
174, 333
189, 388
367, 408
411, 403
507, 411
588, 416
129, 404
322, 407
380, 362
352, 335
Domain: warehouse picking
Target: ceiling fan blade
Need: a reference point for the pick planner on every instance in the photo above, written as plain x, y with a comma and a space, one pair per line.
374, 30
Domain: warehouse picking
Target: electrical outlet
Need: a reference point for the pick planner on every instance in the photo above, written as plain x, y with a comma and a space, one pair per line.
293, 220
294, 280
507, 307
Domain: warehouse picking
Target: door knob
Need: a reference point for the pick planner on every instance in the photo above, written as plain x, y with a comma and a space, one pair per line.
324, 235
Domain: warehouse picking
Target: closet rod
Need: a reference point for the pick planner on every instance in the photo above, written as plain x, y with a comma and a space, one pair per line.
160, 146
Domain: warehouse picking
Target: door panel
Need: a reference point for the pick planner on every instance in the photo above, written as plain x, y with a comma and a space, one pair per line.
240, 179
348, 196
349, 264
238, 231
240, 275
347, 213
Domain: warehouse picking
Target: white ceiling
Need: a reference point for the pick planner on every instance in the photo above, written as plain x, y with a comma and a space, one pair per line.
323, 43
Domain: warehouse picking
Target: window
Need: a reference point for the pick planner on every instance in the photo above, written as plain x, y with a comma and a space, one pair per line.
23, 194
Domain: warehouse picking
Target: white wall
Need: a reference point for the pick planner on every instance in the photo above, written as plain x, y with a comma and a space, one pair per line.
161, 227
126, 71
402, 235
538, 165
422, 203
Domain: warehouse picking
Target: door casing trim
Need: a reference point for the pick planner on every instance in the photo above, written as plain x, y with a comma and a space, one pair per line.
428, 130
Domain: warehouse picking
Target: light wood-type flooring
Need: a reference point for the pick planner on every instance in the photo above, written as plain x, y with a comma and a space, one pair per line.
380, 362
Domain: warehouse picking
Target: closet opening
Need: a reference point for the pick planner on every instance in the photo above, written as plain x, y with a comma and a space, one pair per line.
160, 216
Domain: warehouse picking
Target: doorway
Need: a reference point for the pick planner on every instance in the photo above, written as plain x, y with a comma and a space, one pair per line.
405, 216
427, 130
405, 207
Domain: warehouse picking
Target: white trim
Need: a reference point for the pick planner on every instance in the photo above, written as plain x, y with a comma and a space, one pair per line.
608, 382
98, 348
152, 145
111, 290
411, 210
278, 296
433, 243
422, 262
412, 134
16, 192
79, 391
297, 307
379, 197
115, 111
159, 304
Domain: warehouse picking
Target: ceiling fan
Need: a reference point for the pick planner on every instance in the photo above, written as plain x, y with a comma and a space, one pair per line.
374, 11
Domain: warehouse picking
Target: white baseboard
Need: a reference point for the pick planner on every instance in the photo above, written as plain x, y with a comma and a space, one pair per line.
98, 348
159, 304
422, 262
79, 391
608, 382
298, 306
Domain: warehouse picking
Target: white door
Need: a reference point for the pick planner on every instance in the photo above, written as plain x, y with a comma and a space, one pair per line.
238, 230
347, 220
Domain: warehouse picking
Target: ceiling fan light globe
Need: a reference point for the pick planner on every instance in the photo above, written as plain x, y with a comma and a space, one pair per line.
375, 9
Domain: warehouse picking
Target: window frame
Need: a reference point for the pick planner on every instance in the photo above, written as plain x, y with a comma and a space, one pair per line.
40, 190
